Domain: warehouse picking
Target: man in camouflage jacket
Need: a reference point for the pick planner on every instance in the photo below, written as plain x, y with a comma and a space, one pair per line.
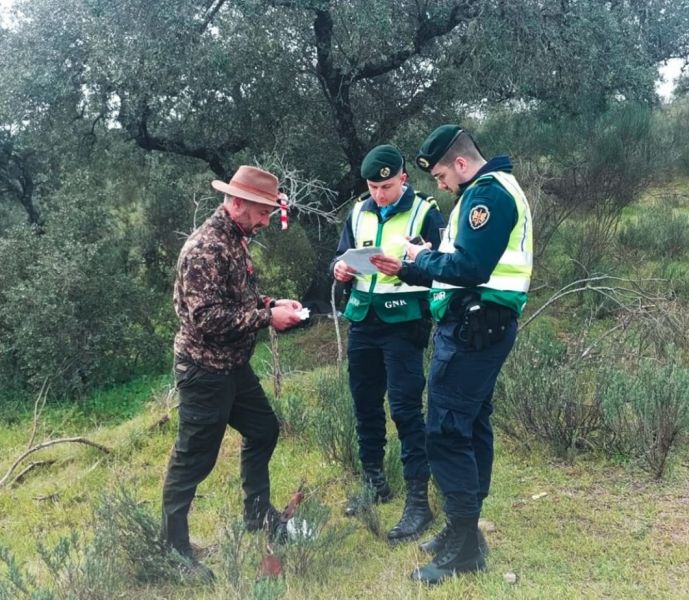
221, 311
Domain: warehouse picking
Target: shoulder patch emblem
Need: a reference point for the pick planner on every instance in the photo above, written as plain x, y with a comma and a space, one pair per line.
479, 216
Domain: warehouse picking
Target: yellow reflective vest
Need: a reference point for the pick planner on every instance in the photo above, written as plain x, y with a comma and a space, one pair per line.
509, 282
393, 300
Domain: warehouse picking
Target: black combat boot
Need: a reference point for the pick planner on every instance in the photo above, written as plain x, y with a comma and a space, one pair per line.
437, 543
460, 553
416, 516
378, 490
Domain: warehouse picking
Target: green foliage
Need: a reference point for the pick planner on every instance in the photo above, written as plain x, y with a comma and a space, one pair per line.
71, 313
662, 233
363, 500
284, 261
301, 349
583, 252
677, 274
312, 548
394, 470
17, 583
334, 423
546, 392
590, 164
136, 535
76, 570
239, 556
293, 412
646, 412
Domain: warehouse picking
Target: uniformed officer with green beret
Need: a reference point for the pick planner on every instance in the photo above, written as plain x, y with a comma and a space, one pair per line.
389, 329
480, 279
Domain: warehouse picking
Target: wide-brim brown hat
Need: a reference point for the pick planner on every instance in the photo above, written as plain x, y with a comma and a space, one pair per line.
252, 184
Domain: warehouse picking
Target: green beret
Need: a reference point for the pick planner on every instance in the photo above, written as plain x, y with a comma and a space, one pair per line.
381, 163
436, 145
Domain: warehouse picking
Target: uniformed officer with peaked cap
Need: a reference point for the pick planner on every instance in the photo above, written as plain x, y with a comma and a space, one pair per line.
481, 274
389, 330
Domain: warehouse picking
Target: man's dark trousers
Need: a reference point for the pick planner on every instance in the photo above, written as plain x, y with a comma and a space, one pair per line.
208, 403
382, 357
459, 433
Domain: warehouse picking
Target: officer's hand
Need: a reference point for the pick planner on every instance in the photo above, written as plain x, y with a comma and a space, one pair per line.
290, 303
388, 265
284, 317
343, 272
412, 250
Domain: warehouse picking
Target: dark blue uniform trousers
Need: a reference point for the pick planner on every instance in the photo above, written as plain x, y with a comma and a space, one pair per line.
459, 436
381, 357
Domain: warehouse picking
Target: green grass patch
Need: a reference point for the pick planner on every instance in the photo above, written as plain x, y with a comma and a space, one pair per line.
600, 530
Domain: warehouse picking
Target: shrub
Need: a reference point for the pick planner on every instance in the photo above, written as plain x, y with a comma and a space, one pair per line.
363, 500
241, 557
76, 570
334, 423
677, 274
71, 311
293, 413
646, 412
546, 393
136, 538
311, 548
663, 234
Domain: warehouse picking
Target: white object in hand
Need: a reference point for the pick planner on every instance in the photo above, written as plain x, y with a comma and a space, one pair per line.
304, 314
358, 259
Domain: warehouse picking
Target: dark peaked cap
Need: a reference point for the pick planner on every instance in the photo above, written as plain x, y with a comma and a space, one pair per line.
381, 163
436, 145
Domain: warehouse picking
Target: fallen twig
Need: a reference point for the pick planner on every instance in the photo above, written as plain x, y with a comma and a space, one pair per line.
74, 440
34, 465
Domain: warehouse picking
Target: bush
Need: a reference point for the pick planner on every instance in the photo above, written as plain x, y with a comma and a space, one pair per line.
311, 548
662, 234
546, 393
293, 413
646, 412
135, 538
240, 556
71, 311
124, 545
677, 274
334, 423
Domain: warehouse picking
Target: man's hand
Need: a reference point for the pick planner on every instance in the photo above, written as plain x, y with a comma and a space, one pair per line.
284, 317
412, 250
389, 265
289, 303
343, 272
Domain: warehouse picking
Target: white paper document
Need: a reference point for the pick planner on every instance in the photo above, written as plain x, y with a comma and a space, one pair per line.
358, 259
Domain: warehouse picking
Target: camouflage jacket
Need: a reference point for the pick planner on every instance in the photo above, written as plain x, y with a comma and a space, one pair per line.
216, 297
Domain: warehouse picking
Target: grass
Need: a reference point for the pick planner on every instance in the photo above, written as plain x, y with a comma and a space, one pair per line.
602, 530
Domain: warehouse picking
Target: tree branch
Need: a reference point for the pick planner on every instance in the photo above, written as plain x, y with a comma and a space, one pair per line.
210, 15
427, 30
137, 127
41, 446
